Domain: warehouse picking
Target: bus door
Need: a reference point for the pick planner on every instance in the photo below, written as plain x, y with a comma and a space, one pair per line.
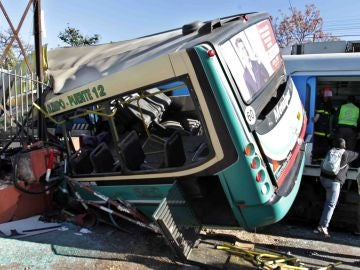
306, 86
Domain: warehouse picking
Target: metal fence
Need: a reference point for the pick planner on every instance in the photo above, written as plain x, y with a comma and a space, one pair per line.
18, 91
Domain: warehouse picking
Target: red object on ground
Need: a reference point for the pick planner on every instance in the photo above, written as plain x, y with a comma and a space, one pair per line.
15, 204
33, 165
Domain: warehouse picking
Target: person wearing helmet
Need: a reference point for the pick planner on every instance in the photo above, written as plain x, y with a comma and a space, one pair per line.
322, 125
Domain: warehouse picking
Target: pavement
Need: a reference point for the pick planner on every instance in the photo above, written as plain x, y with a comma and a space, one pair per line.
106, 247
71, 247
310, 248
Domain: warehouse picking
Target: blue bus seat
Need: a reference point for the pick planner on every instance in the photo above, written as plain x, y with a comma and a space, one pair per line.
102, 159
131, 151
174, 151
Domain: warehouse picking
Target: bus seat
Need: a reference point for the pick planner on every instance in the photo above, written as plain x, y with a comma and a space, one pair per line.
131, 151
174, 151
102, 159
160, 99
149, 113
81, 163
88, 142
152, 107
201, 152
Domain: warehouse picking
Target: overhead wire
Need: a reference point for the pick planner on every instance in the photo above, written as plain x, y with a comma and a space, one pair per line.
342, 27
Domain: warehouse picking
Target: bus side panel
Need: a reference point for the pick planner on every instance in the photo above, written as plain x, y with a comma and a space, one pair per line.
145, 197
307, 91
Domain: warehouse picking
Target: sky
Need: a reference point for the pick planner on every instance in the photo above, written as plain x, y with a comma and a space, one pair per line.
116, 20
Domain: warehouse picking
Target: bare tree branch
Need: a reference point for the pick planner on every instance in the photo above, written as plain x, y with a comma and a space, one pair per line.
300, 27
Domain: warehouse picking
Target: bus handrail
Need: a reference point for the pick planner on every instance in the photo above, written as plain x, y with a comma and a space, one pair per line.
86, 112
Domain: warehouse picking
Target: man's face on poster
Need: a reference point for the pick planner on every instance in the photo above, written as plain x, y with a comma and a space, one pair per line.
245, 59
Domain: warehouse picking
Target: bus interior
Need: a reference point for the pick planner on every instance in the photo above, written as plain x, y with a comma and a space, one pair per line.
342, 87
145, 132
154, 130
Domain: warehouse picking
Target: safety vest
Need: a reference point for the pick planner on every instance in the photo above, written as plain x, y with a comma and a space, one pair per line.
349, 115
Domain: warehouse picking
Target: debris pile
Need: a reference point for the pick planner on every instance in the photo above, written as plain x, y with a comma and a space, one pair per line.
34, 182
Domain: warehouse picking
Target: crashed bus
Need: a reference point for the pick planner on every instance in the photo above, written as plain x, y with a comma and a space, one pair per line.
203, 114
193, 126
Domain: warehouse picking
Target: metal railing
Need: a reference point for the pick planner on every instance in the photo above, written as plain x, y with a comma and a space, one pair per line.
18, 91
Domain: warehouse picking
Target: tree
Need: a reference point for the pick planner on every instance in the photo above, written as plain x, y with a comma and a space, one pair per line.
299, 27
73, 37
14, 55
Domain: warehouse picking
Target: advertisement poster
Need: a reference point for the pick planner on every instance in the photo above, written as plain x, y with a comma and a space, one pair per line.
252, 56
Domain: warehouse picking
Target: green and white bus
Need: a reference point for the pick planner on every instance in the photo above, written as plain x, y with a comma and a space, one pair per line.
205, 110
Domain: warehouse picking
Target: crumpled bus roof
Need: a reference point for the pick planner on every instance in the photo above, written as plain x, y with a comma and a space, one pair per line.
72, 67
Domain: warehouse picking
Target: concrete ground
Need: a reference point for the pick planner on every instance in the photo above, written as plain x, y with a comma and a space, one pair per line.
109, 248
310, 248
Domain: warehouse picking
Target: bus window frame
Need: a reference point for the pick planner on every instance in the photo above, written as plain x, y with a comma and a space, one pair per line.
186, 82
